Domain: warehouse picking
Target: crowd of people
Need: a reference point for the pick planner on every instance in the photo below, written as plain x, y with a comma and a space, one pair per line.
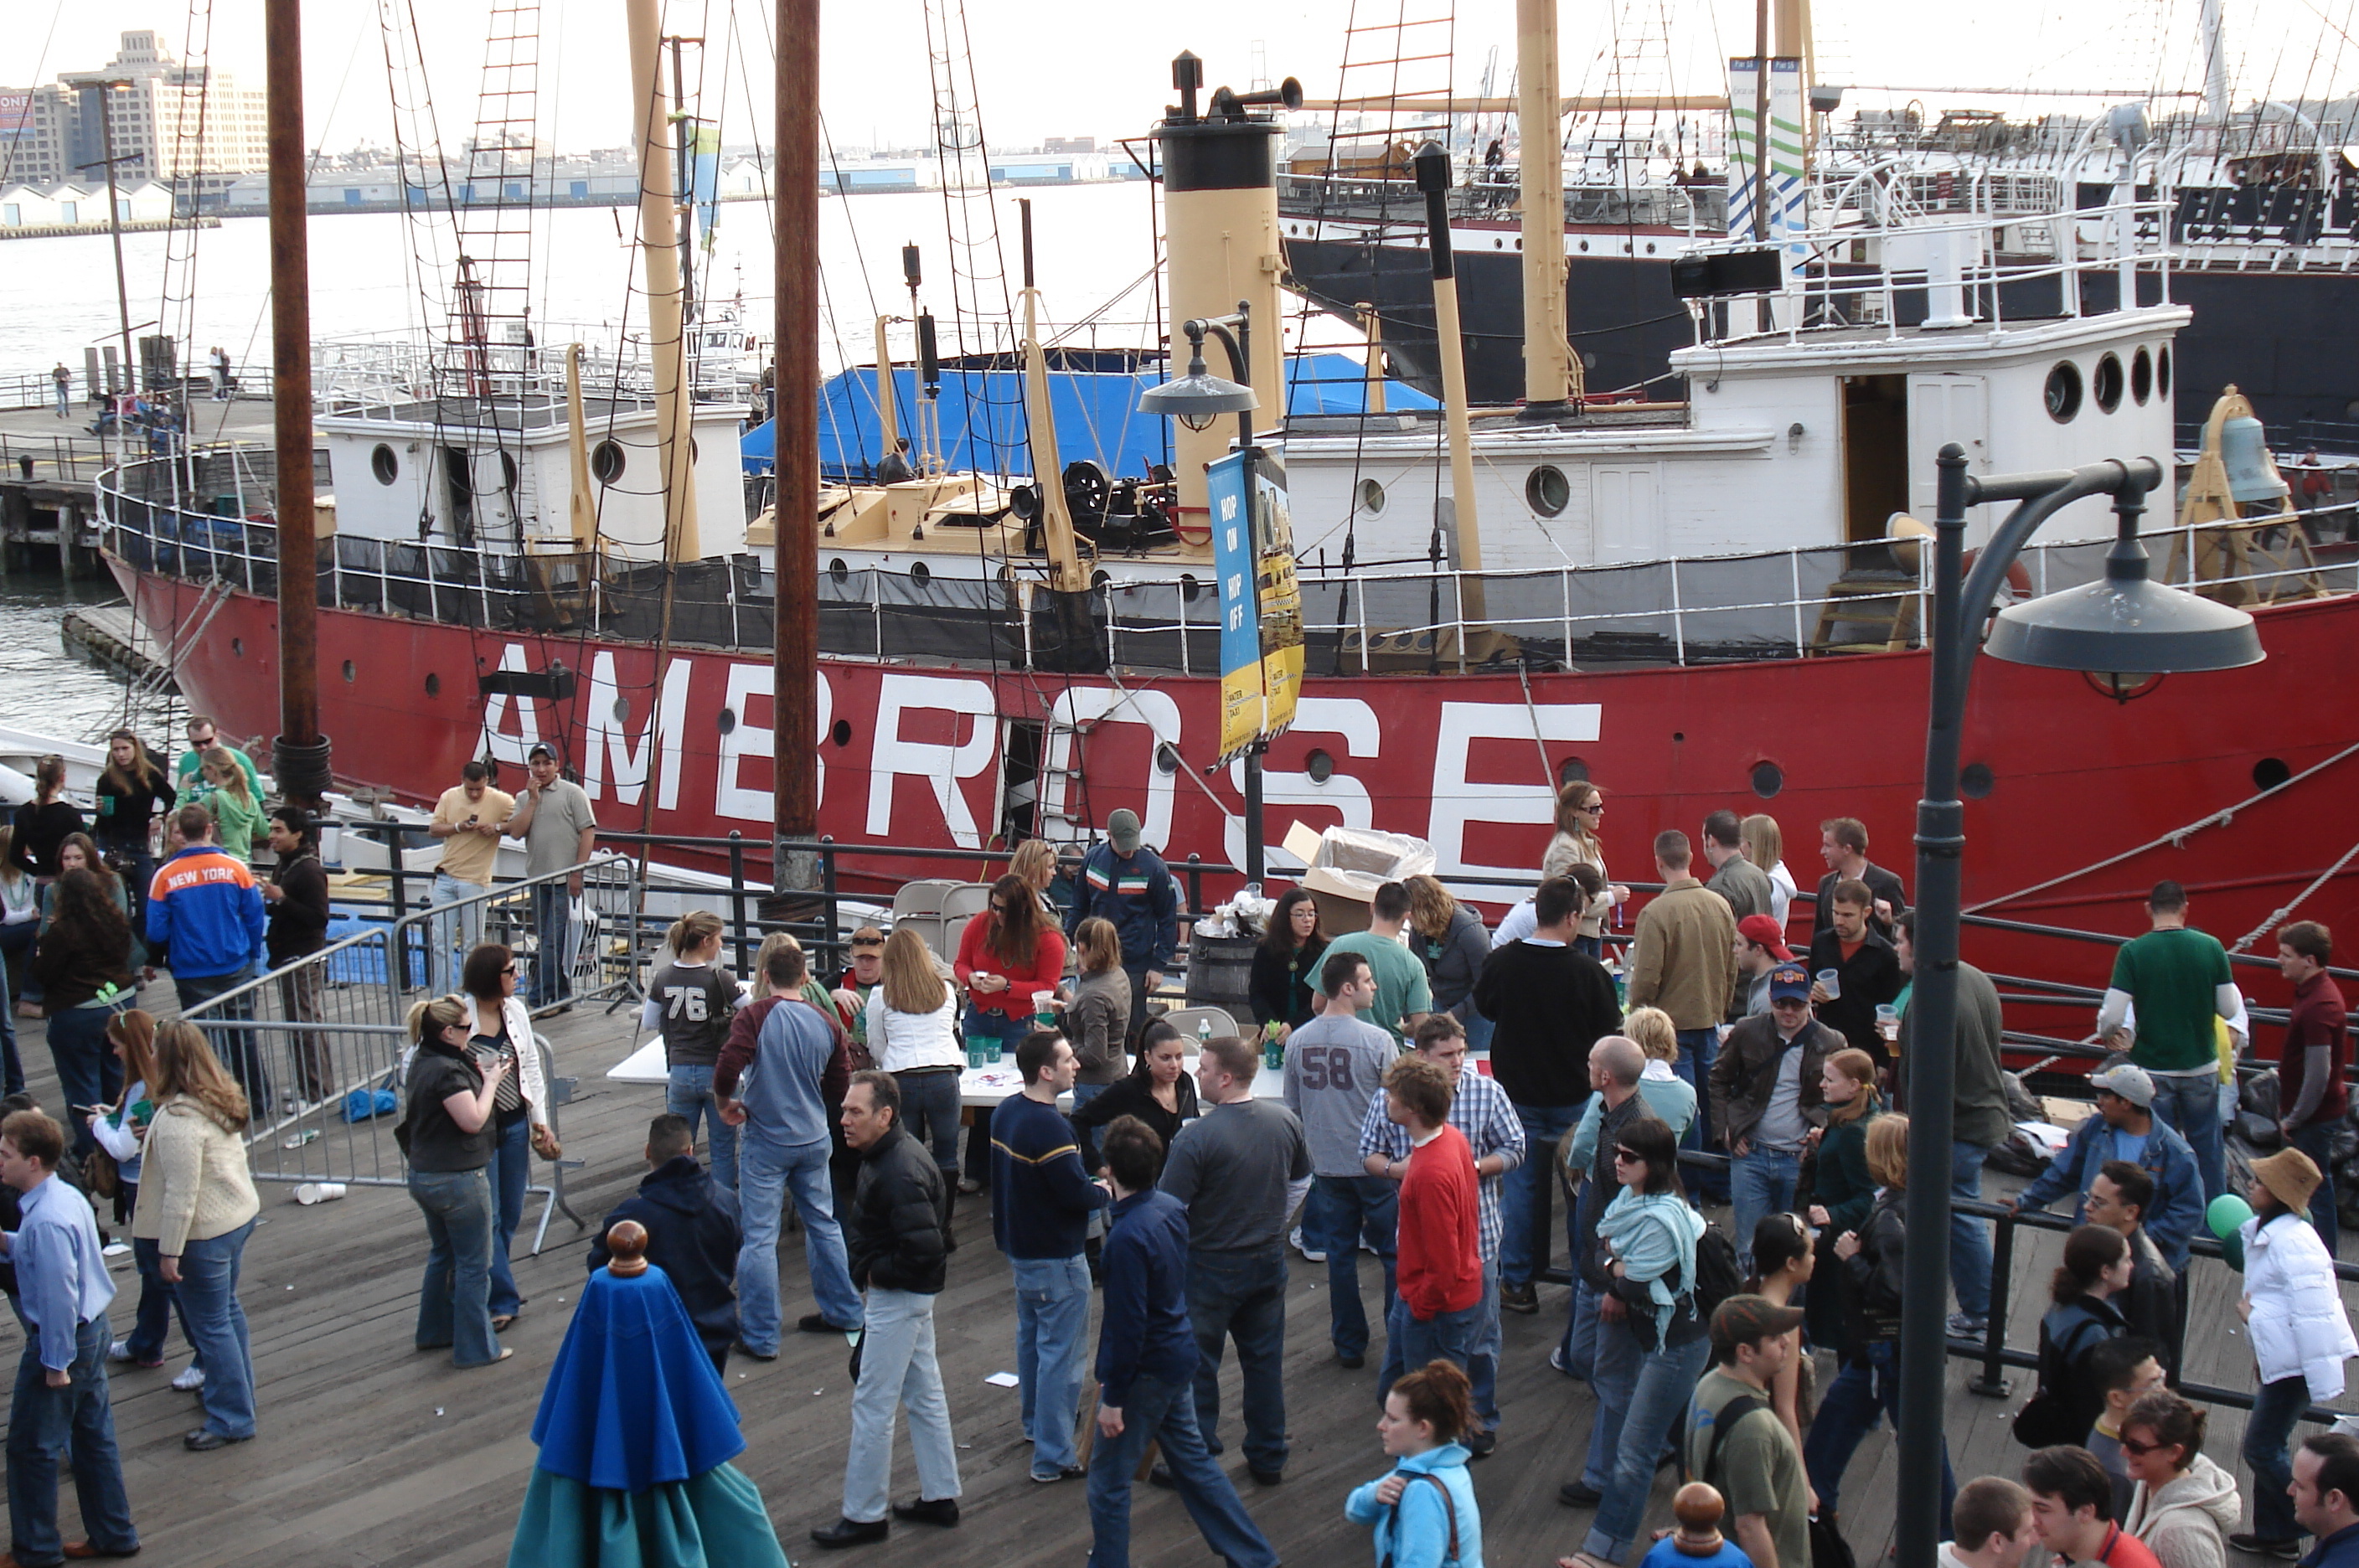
1424, 1090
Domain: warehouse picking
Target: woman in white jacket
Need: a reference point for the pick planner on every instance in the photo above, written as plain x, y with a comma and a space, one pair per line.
2183, 1503
2301, 1336
499, 1027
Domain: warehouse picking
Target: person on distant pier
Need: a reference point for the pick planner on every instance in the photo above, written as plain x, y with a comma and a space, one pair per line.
469, 819
1125, 882
1746, 885
2125, 1127
131, 791
62, 379
1403, 994
218, 358
2178, 979
1684, 962
2311, 1095
1843, 844
559, 829
693, 1234
203, 735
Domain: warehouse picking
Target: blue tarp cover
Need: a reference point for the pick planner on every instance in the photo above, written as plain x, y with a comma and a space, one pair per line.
982, 422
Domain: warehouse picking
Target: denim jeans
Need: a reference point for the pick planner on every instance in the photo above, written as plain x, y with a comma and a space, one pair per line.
1052, 1336
12, 1068
1642, 1395
1411, 1341
1478, 1029
454, 1300
552, 944
1524, 1238
1970, 1247
2191, 1104
510, 1173
216, 1321
688, 1092
2269, 1431
897, 1370
1761, 1183
2318, 1143
88, 1072
1340, 1211
1579, 1349
460, 928
240, 1050
73, 1425
1848, 1412
1698, 1049
1242, 1294
1163, 1413
770, 1174
159, 1297
930, 1110
1087, 1136
1482, 1360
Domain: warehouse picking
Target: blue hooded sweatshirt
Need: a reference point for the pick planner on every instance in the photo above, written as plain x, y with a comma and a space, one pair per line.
1415, 1532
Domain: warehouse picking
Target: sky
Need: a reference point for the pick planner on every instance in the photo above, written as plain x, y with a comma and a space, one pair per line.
1088, 68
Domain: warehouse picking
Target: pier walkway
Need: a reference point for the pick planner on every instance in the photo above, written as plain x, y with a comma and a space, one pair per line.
371, 1453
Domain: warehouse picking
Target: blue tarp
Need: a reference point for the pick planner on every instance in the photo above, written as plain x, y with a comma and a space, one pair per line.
983, 423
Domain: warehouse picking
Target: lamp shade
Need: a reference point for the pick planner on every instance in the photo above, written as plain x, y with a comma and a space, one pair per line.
1197, 394
2125, 625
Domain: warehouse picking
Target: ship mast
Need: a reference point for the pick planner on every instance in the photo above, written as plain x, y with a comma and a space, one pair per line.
1551, 376
658, 205
299, 760
795, 340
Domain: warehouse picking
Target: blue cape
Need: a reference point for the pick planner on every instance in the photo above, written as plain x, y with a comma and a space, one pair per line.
632, 1399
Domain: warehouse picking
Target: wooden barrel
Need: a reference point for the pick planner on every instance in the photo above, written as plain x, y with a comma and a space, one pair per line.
1220, 974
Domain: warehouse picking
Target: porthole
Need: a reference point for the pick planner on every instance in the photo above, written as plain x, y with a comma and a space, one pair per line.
385, 464
1767, 780
2062, 393
2162, 370
1546, 491
1166, 760
349, 673
1588, 360
1976, 782
840, 733
919, 571
2141, 376
434, 685
2105, 385
1188, 588
606, 462
622, 710
1372, 498
1584, 246
2269, 772
727, 721
838, 570
1320, 766
1571, 770
1100, 580
1679, 737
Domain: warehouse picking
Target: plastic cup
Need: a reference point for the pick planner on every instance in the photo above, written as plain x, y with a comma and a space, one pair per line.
310, 1192
1887, 1021
1831, 981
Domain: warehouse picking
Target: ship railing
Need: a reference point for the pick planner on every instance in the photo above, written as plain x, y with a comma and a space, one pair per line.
318, 1045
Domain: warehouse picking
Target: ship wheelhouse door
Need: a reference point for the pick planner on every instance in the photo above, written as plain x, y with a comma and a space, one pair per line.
459, 495
1943, 408
1876, 455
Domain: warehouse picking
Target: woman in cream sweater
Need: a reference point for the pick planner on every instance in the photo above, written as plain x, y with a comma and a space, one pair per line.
197, 1202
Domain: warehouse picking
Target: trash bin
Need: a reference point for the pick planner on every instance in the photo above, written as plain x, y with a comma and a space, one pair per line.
1220, 974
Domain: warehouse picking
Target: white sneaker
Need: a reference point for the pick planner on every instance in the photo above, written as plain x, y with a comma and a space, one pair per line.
119, 1351
1295, 1239
190, 1381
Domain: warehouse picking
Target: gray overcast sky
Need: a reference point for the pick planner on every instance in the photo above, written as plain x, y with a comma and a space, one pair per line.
1084, 67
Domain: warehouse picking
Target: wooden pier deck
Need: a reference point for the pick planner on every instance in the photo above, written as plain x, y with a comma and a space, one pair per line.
371, 1453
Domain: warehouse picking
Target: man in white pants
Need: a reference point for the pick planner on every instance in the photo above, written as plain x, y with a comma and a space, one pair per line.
895, 1240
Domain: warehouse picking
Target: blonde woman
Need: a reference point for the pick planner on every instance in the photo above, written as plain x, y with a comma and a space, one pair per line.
237, 815
197, 1203
690, 1001
447, 1134
1035, 860
1580, 809
1449, 938
913, 1035
1765, 847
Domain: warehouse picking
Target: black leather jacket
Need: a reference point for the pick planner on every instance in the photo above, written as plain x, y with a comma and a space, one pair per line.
899, 1212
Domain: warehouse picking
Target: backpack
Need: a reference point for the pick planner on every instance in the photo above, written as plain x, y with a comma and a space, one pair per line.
1723, 1422
2047, 1419
1716, 1274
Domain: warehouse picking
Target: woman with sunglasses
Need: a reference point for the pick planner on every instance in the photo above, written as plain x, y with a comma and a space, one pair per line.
2182, 1505
1004, 955
1580, 809
1651, 1341
499, 1030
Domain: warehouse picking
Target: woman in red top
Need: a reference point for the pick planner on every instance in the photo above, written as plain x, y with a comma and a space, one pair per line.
1006, 953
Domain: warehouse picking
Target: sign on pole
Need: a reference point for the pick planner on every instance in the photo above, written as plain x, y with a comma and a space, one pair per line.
1260, 599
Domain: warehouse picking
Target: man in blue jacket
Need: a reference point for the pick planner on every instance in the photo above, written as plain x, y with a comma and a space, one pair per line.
207, 905
692, 1236
1147, 1365
1123, 881
2125, 1127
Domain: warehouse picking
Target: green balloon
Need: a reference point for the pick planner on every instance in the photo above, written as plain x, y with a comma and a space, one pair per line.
2227, 1215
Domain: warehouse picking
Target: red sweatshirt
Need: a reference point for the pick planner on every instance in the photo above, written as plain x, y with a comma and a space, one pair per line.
1440, 1267
974, 957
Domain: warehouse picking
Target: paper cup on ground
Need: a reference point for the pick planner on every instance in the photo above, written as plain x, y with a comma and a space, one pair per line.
310, 1192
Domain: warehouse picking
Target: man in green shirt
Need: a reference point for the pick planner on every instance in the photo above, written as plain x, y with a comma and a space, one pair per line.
202, 738
1754, 1464
2168, 987
1403, 997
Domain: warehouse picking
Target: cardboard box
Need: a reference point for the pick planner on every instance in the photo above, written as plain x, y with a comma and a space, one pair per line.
1346, 865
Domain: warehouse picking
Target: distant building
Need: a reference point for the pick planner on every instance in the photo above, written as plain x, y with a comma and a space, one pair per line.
193, 128
1069, 144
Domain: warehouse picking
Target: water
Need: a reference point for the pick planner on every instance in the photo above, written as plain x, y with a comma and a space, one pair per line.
43, 688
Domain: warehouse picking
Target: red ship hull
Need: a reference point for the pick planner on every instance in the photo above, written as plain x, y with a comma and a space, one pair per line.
916, 757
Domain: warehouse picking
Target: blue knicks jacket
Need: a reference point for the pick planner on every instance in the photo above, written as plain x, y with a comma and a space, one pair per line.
1144, 1325
205, 902
2177, 1205
1136, 892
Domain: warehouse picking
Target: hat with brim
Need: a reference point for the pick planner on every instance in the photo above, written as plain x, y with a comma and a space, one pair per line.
2131, 1082
1764, 931
1789, 983
2290, 1176
1122, 832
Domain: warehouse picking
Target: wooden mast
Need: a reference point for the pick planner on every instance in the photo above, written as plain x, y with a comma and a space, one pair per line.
1551, 376
795, 648
666, 307
299, 763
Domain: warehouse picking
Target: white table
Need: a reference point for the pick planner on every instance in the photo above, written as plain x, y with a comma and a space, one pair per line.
979, 1087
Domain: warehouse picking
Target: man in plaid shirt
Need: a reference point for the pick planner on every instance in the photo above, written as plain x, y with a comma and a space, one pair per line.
1480, 1110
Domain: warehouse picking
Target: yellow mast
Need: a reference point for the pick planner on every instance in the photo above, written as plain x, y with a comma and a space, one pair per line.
658, 212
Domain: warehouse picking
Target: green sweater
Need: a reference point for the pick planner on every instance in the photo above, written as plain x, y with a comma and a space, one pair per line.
236, 823
1842, 1182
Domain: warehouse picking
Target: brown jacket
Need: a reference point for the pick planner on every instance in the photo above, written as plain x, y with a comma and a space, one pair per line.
1742, 1078
1684, 961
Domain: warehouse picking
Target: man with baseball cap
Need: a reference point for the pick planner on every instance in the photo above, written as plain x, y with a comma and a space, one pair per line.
1760, 947
1735, 1440
2125, 1127
1766, 1100
559, 829
1123, 881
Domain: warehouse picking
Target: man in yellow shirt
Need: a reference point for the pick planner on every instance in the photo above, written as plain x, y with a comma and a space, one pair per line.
468, 819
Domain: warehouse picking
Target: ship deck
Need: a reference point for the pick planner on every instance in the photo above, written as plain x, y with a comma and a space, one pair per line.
372, 1453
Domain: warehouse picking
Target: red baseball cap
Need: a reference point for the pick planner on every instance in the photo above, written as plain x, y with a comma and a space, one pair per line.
1763, 931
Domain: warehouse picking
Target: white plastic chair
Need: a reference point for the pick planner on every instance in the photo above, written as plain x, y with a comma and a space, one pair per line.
1188, 1022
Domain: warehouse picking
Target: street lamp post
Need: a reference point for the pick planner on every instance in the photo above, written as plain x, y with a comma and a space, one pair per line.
2123, 623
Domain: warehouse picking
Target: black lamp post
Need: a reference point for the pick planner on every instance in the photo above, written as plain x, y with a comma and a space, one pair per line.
2124, 624
1196, 399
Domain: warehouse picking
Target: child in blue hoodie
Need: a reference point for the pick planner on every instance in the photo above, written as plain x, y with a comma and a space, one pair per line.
1424, 1511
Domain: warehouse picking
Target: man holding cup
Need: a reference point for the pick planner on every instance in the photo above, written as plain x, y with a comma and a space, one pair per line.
1766, 1100
1854, 972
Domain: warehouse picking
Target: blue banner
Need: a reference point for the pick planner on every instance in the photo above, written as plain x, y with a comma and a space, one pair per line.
1229, 485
